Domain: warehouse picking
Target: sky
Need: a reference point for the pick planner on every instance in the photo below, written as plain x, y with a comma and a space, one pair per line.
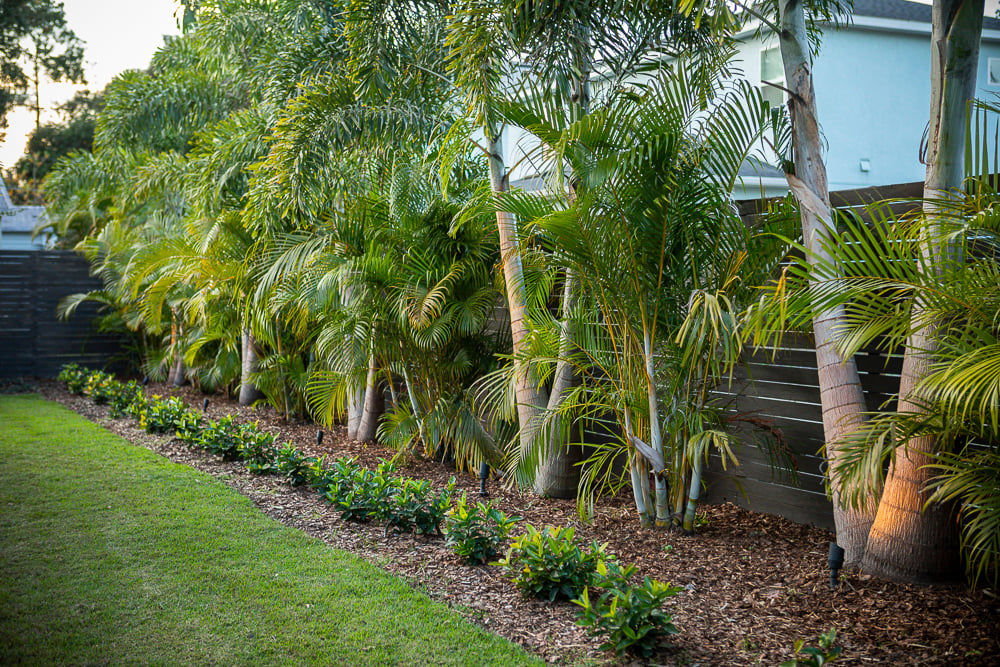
118, 35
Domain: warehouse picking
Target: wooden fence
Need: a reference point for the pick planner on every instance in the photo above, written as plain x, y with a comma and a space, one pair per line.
33, 341
783, 391
780, 389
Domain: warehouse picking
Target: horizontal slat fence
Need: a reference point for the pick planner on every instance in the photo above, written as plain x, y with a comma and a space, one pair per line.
781, 388
33, 340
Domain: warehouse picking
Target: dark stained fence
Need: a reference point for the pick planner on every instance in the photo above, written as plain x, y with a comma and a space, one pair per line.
33, 340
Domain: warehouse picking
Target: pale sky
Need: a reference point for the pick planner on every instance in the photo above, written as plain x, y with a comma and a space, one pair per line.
118, 35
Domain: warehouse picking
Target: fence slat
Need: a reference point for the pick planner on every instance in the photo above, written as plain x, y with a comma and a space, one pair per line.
33, 341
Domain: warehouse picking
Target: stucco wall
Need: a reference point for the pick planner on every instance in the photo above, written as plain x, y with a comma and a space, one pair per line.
873, 97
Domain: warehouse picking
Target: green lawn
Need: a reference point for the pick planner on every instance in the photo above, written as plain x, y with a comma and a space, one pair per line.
110, 554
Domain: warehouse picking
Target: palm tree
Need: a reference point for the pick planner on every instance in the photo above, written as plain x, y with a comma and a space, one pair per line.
652, 238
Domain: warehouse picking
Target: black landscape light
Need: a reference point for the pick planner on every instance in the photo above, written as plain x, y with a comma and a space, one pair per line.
319, 438
145, 380
836, 561
484, 474
204, 405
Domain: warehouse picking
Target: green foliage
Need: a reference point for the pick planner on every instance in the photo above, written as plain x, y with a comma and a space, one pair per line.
121, 396
362, 494
294, 465
257, 449
99, 386
631, 617
416, 507
334, 481
170, 416
550, 564
476, 532
222, 437
815, 656
75, 378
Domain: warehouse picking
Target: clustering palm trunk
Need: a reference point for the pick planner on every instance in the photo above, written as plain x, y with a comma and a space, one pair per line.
531, 398
249, 393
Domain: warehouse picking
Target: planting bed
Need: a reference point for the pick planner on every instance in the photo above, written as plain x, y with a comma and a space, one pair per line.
755, 583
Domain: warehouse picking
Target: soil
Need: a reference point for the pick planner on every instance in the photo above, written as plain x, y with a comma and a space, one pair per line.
755, 583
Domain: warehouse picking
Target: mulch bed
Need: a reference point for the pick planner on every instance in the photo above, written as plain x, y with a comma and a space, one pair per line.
755, 582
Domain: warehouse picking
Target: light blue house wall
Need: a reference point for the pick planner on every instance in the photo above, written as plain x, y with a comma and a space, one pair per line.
872, 85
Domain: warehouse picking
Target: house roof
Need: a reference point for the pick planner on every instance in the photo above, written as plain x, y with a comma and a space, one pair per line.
901, 10
23, 218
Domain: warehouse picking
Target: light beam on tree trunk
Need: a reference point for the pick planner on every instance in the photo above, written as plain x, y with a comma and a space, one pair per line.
909, 541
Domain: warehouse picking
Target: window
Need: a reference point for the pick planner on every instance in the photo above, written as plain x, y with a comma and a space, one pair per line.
772, 71
993, 73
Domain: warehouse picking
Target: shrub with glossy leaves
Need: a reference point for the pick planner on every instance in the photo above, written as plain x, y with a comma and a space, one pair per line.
417, 507
294, 465
74, 377
476, 532
631, 617
550, 564
99, 386
221, 437
121, 396
170, 416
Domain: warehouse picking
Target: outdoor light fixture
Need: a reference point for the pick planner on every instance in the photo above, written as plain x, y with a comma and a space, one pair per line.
319, 438
145, 381
836, 561
484, 474
204, 406
865, 164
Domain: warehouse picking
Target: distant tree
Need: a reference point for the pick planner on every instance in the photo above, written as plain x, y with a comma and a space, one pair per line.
34, 35
50, 142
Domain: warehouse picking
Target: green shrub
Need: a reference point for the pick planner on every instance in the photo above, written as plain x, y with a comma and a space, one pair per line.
294, 465
631, 617
333, 480
476, 532
170, 416
369, 494
99, 386
550, 564
416, 507
257, 449
121, 396
221, 437
75, 378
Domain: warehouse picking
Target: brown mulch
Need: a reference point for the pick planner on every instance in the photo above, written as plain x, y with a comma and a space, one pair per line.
755, 582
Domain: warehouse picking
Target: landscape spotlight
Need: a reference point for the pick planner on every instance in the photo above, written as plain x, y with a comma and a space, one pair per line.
319, 438
484, 474
204, 405
836, 561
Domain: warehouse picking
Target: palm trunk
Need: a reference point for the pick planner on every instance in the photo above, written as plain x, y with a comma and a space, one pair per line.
373, 406
840, 386
355, 409
175, 378
249, 393
655, 437
531, 399
639, 473
558, 472
910, 541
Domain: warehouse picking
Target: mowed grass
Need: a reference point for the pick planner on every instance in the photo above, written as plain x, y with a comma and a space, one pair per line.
110, 554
